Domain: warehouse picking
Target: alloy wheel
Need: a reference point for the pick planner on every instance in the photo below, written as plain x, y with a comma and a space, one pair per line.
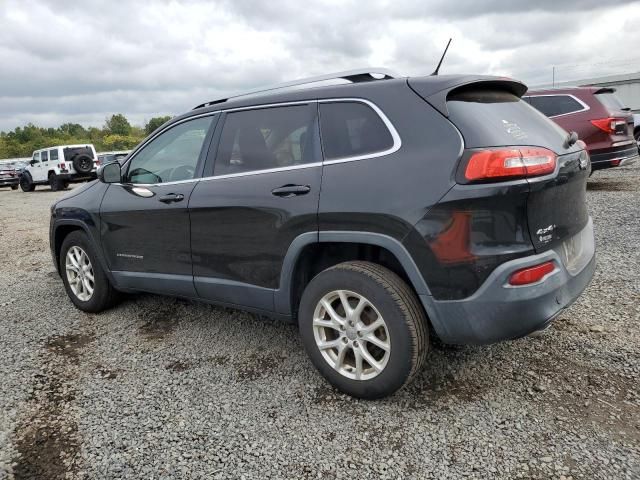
351, 335
80, 273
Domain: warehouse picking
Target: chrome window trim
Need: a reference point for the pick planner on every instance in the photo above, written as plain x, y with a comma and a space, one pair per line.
397, 141
585, 107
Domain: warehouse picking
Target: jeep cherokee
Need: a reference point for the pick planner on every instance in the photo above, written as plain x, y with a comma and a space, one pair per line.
373, 214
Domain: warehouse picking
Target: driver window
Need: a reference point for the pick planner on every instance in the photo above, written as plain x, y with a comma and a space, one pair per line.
172, 156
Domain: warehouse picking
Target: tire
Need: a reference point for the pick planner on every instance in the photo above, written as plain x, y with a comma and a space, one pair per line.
55, 182
14, 187
26, 184
103, 295
82, 163
405, 332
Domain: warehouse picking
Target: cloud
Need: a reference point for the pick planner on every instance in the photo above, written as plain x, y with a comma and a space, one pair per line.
82, 61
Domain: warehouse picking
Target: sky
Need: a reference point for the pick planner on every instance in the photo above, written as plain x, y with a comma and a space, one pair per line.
67, 61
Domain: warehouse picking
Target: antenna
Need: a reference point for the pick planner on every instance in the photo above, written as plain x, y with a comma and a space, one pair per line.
435, 72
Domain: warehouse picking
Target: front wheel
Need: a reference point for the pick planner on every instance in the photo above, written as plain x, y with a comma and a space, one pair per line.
84, 279
26, 184
363, 328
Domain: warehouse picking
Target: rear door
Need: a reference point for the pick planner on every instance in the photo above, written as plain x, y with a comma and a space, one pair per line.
145, 225
261, 193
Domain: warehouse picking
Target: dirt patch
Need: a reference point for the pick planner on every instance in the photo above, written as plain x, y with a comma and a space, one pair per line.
107, 373
179, 366
69, 346
160, 322
611, 186
47, 441
218, 360
257, 366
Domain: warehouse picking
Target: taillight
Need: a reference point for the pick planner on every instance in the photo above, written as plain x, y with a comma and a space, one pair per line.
610, 124
62, 166
530, 275
509, 163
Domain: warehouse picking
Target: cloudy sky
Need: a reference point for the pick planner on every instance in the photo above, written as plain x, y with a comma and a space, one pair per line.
64, 61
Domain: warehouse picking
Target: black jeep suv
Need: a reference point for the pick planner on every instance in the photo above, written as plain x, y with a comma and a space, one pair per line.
372, 214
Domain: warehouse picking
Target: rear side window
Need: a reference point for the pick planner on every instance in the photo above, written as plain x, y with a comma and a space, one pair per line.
45, 156
53, 154
553, 105
265, 138
352, 129
493, 118
610, 101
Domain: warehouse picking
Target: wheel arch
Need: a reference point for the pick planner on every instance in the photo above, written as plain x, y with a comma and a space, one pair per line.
62, 229
311, 253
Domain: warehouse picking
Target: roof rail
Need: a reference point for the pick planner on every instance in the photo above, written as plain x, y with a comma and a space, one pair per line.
355, 76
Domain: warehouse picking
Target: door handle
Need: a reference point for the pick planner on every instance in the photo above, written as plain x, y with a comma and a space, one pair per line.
287, 191
171, 198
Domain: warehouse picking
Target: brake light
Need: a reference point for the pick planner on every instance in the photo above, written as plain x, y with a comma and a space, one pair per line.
509, 163
530, 275
608, 125
62, 166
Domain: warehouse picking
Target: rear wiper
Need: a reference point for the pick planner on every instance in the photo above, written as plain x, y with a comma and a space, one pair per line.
571, 139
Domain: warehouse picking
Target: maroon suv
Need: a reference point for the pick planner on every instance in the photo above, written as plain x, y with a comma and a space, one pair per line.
597, 116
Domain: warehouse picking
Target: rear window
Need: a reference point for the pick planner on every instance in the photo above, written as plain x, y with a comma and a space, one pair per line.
554, 105
493, 118
351, 129
610, 101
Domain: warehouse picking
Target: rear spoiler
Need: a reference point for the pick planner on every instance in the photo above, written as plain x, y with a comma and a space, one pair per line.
436, 90
605, 90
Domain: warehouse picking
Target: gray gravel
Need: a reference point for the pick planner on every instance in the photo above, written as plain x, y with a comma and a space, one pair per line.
161, 388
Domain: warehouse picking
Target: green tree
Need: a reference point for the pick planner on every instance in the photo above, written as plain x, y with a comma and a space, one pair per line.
153, 124
118, 125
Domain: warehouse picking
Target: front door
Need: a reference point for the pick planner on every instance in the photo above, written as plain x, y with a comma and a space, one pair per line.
145, 224
36, 170
262, 192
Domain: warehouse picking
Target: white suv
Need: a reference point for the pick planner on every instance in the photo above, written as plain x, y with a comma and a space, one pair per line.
59, 166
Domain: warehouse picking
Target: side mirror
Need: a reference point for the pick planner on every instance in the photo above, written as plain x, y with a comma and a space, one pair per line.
33, 162
110, 173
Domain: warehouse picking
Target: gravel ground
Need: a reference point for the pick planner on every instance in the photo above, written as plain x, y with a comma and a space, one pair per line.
162, 388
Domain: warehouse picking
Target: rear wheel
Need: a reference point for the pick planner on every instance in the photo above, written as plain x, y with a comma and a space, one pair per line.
363, 329
84, 279
26, 183
55, 182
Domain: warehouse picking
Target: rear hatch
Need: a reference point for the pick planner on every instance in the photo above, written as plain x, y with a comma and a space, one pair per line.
491, 116
621, 119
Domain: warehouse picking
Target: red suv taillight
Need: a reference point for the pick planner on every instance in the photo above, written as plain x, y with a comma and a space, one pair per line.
62, 166
510, 163
610, 124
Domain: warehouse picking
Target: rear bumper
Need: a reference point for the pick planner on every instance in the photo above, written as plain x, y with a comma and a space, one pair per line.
7, 182
498, 311
615, 157
77, 177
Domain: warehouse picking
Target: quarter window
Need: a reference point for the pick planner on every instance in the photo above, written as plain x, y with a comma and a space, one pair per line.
172, 156
553, 105
53, 154
352, 129
265, 138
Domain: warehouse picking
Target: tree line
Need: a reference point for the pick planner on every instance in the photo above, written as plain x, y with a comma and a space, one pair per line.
116, 134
